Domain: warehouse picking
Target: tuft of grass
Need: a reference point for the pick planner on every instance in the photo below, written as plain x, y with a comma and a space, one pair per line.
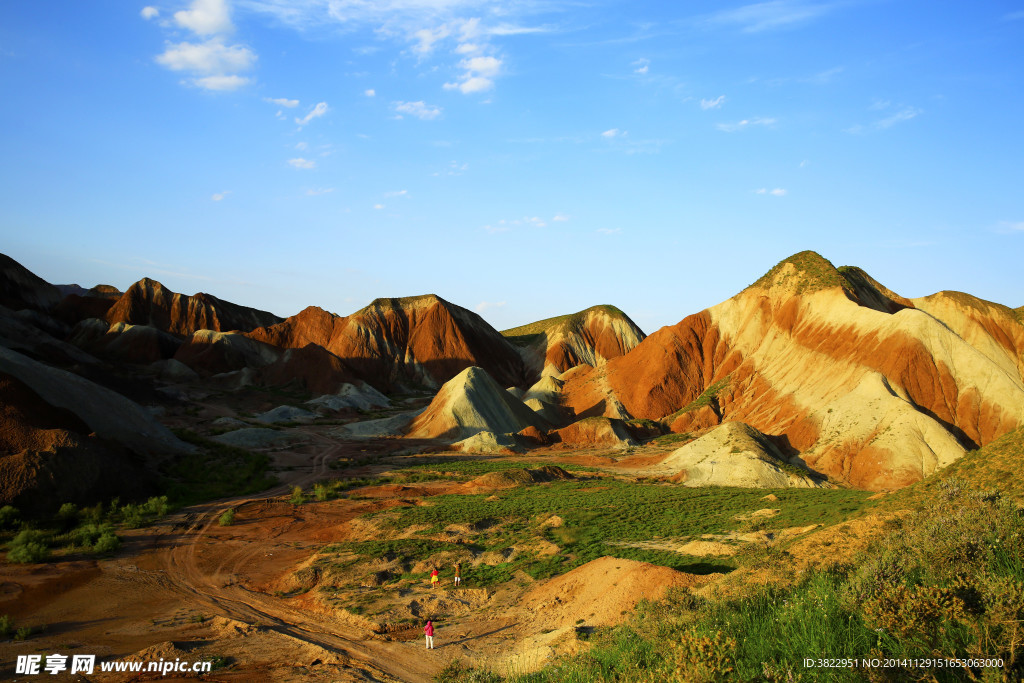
704, 399
227, 518
813, 272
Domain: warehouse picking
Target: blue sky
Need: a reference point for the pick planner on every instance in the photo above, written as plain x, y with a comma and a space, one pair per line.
521, 158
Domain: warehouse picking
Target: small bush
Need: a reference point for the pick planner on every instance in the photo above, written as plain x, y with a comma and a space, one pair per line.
106, 544
8, 516
27, 547
297, 496
6, 626
228, 518
23, 633
68, 515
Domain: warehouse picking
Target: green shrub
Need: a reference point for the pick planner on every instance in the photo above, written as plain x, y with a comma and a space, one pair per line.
67, 515
228, 518
297, 496
8, 516
106, 544
6, 626
27, 547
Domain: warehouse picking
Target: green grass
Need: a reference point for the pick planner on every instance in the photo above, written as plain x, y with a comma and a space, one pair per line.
948, 582
216, 471
599, 514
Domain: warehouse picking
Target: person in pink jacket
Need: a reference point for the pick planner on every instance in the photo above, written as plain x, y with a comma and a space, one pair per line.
429, 630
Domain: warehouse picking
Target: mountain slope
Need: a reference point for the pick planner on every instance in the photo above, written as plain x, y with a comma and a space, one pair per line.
871, 390
147, 302
591, 336
422, 340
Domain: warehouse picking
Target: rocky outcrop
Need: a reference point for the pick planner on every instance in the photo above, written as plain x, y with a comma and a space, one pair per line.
422, 340
733, 454
802, 354
469, 403
591, 336
147, 302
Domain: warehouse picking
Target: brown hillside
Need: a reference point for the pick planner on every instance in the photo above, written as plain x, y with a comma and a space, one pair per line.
147, 302
420, 340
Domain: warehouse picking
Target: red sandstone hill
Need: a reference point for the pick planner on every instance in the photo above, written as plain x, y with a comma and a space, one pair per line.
873, 389
591, 336
148, 302
421, 340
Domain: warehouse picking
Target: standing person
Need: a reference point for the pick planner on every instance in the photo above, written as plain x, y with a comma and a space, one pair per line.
458, 573
429, 630
434, 578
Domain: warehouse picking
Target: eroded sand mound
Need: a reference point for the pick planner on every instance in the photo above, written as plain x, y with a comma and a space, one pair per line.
516, 477
595, 431
490, 443
733, 454
600, 592
469, 403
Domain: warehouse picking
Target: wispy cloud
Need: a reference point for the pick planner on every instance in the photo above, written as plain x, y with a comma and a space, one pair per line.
560, 218
299, 162
485, 305
378, 206
612, 133
1014, 16
772, 15
904, 113
282, 102
397, 193
219, 196
419, 109
777, 192
713, 104
745, 123
370, 92
319, 110
1009, 227
316, 191
149, 12
641, 66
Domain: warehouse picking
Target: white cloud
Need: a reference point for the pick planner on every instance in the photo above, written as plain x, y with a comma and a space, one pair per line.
484, 305
1010, 226
149, 12
397, 193
378, 206
777, 192
282, 102
609, 231
221, 82
496, 229
641, 65
212, 57
612, 133
712, 104
301, 146
220, 195
299, 162
804, 163
904, 114
425, 39
206, 17
316, 191
370, 92
319, 110
478, 74
740, 125
774, 14
467, 49
418, 109
560, 218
